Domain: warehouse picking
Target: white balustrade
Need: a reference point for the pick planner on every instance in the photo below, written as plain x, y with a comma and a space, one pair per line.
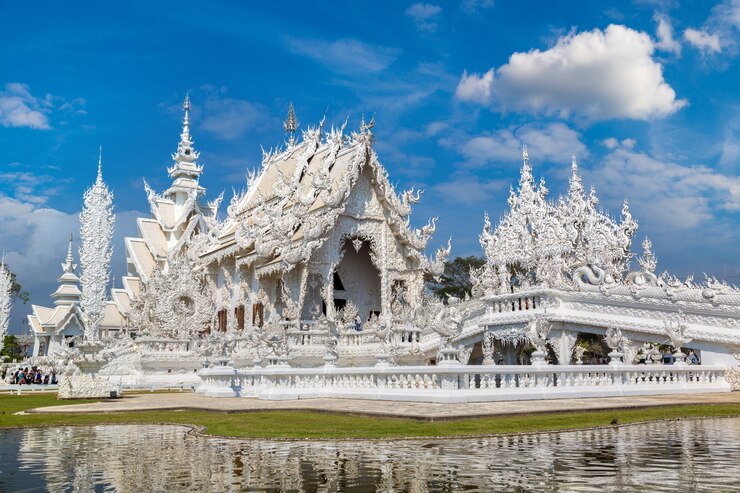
514, 302
473, 383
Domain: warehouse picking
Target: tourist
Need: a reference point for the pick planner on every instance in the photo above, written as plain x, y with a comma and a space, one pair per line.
46, 379
53, 378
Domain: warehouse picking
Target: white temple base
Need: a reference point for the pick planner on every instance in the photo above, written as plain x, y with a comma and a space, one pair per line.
87, 386
217, 382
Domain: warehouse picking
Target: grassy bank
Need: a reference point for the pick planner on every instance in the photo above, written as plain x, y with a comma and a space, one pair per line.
297, 424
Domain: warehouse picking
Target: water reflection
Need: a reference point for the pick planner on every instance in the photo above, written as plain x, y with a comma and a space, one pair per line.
701, 455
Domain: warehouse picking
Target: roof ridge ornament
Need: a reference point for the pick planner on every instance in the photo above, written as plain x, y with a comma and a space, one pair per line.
291, 124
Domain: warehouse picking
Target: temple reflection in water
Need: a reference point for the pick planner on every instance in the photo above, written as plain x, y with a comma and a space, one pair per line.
698, 455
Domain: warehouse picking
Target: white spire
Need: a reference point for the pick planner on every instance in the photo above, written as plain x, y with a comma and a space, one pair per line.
97, 223
68, 292
100, 171
186, 170
186, 120
69, 266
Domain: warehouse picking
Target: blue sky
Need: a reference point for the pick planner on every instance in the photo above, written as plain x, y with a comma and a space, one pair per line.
645, 94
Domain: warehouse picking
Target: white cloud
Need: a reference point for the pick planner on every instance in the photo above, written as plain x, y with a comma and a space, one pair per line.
425, 16
596, 75
664, 32
702, 40
670, 197
229, 118
30, 187
629, 143
613, 143
475, 88
554, 142
720, 32
469, 190
19, 108
345, 56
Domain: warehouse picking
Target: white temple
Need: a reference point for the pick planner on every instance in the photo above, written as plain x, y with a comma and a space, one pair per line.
313, 284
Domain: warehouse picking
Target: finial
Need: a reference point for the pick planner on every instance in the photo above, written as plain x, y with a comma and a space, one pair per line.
525, 154
290, 124
68, 266
100, 167
573, 164
69, 249
186, 119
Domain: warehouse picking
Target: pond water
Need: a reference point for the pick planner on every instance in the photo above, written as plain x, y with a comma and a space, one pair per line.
690, 455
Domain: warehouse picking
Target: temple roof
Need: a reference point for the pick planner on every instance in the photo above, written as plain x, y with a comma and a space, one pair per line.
299, 194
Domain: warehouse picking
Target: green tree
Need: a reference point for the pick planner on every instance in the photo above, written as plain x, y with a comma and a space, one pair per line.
455, 281
11, 348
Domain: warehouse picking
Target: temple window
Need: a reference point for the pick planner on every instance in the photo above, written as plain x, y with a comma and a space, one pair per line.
222, 320
258, 314
239, 314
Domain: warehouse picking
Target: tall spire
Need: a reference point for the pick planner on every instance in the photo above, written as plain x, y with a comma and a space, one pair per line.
68, 267
68, 292
186, 170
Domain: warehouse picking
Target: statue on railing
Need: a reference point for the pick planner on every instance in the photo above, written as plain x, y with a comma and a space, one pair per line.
449, 324
676, 332
651, 353
487, 346
331, 339
539, 329
382, 328
615, 341
578, 352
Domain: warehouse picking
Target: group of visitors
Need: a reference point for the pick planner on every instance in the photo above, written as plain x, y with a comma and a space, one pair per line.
28, 376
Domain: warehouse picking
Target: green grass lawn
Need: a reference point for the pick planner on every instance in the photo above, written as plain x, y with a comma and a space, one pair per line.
298, 424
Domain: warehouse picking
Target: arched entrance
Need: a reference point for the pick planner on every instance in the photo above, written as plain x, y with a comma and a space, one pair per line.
357, 280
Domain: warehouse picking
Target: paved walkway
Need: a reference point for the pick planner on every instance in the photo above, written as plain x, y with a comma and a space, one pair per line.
415, 410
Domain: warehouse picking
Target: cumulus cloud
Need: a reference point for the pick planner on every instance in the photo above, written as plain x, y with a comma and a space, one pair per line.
35, 242
596, 75
345, 56
669, 196
424, 16
20, 108
664, 32
702, 40
555, 142
475, 88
